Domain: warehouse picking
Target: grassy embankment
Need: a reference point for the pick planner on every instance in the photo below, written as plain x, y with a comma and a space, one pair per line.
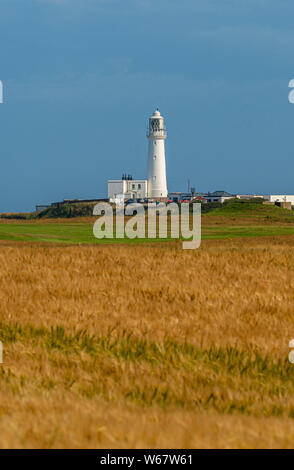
233, 220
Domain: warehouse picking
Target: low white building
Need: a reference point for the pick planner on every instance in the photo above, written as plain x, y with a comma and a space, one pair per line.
126, 189
279, 198
216, 196
248, 196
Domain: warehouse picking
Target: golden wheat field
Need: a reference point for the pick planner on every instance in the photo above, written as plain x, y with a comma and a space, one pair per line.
147, 346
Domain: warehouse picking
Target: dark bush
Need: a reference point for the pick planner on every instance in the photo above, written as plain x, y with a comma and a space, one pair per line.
67, 211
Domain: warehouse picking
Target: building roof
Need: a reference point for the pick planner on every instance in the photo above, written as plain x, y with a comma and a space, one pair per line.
130, 181
220, 194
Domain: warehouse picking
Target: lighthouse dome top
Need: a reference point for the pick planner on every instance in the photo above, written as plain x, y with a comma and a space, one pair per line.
156, 113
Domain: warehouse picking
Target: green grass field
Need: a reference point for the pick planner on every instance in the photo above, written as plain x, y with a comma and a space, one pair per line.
83, 233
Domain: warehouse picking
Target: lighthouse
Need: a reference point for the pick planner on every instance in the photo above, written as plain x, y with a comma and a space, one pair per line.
154, 187
156, 169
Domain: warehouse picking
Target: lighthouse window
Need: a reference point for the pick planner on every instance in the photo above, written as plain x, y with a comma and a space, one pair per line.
133, 186
155, 124
139, 186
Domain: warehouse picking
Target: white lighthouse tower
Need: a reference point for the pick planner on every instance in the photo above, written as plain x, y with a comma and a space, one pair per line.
156, 171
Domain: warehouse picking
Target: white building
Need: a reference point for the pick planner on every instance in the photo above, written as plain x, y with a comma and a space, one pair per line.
248, 196
156, 168
279, 198
119, 190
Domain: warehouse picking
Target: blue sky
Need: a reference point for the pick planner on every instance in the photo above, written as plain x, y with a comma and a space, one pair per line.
81, 78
